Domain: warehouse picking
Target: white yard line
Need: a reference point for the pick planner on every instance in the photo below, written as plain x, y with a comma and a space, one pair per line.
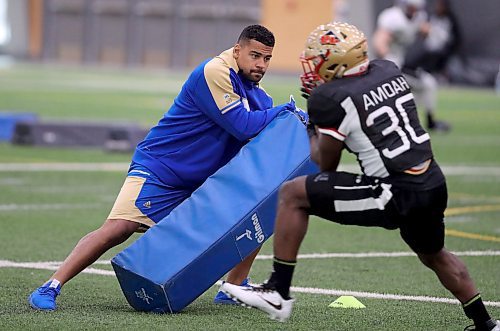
377, 254
53, 265
29, 167
47, 206
50, 266
358, 255
383, 296
117, 166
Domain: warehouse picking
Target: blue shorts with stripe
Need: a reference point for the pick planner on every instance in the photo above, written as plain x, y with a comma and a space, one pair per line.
146, 199
354, 199
157, 199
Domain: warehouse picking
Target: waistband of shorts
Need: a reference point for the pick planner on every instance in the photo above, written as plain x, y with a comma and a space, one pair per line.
419, 168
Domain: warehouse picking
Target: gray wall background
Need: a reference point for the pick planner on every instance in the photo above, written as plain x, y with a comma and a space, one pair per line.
168, 33
180, 33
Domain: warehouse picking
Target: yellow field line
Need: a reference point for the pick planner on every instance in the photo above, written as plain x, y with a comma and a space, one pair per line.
470, 209
468, 235
467, 210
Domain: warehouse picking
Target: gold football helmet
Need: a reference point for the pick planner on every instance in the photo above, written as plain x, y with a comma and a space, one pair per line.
333, 50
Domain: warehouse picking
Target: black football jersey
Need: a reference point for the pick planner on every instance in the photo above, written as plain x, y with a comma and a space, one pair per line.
375, 115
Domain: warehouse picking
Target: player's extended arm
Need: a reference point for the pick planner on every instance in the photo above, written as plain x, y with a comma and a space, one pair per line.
215, 95
327, 150
313, 142
244, 124
325, 139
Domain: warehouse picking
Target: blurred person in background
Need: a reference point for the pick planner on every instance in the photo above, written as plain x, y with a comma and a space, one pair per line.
443, 41
219, 108
367, 108
4, 26
398, 28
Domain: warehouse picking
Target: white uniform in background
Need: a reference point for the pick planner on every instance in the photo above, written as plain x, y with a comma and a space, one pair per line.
404, 32
4, 24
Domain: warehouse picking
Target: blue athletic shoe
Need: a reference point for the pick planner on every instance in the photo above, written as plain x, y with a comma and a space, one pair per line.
223, 299
44, 297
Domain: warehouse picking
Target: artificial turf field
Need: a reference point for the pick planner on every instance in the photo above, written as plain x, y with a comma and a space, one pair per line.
46, 208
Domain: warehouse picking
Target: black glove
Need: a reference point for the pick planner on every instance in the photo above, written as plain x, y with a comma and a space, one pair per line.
306, 89
304, 93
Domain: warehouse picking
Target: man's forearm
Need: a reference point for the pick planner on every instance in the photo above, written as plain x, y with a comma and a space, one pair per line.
313, 143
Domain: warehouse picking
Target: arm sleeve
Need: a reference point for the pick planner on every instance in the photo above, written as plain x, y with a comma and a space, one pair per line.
217, 98
326, 113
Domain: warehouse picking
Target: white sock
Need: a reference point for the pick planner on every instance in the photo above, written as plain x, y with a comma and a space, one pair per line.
54, 283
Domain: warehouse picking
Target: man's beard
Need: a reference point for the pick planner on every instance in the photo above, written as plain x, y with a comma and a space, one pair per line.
250, 76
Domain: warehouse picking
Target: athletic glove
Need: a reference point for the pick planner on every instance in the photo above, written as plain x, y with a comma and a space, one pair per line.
307, 87
300, 113
304, 93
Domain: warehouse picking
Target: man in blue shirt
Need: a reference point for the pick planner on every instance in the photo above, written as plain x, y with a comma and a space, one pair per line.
220, 107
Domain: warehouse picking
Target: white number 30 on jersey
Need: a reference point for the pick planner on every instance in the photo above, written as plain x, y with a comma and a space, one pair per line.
396, 126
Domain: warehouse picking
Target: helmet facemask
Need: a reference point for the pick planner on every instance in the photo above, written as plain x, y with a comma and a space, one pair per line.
311, 78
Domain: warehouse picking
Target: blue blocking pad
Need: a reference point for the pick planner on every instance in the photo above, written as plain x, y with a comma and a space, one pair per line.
8, 122
222, 222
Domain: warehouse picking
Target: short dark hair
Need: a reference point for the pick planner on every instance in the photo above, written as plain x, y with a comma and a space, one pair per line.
258, 33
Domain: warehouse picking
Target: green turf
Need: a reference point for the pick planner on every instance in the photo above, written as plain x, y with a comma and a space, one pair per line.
43, 214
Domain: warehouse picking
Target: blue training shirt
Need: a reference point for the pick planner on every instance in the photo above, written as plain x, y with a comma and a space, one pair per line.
214, 115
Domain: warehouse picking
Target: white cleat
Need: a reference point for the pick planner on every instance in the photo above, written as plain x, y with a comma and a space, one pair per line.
491, 325
261, 297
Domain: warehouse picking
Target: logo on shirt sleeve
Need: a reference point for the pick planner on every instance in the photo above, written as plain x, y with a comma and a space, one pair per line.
227, 98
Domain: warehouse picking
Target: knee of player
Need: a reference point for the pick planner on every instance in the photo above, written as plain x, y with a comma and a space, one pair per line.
114, 232
293, 194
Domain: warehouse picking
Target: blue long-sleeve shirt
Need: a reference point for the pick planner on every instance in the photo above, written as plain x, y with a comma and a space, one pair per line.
213, 116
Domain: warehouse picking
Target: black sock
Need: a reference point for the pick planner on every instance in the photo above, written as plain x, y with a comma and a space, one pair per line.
475, 310
281, 278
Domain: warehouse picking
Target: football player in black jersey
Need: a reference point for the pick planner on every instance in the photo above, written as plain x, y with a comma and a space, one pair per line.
366, 107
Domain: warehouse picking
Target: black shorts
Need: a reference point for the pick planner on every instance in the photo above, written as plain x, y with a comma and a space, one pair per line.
352, 199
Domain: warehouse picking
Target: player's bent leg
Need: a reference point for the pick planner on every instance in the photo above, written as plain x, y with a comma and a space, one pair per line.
292, 219
86, 252
240, 272
452, 273
290, 228
113, 232
429, 101
237, 276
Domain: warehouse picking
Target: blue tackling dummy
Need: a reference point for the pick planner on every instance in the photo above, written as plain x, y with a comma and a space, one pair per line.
222, 222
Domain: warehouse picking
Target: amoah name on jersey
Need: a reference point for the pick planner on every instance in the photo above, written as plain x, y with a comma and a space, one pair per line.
385, 91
